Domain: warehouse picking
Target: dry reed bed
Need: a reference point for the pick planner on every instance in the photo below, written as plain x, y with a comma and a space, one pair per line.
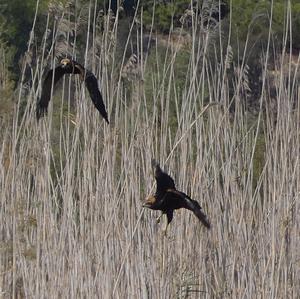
72, 225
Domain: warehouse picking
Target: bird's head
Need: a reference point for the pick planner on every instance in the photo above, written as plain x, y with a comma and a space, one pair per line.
67, 65
149, 201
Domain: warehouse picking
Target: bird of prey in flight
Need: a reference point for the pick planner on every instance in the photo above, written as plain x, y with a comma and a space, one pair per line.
167, 198
68, 66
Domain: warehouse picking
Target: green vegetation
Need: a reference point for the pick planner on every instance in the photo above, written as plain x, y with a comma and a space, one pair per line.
255, 15
16, 19
165, 13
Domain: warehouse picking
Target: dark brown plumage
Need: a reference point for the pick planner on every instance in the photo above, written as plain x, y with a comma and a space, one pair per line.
167, 198
68, 66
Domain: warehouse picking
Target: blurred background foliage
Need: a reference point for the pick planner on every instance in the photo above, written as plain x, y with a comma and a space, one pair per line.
249, 18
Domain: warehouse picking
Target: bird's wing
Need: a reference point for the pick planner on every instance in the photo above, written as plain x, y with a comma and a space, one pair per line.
43, 102
191, 205
92, 86
163, 180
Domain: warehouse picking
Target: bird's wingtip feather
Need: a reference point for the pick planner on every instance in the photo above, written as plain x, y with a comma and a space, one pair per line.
40, 112
207, 225
154, 163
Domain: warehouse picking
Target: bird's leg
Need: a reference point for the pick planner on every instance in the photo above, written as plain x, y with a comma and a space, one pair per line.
158, 218
169, 219
166, 227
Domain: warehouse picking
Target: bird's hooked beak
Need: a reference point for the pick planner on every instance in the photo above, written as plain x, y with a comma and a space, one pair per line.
64, 62
149, 201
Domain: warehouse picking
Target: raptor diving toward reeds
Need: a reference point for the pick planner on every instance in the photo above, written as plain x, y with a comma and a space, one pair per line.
68, 66
167, 198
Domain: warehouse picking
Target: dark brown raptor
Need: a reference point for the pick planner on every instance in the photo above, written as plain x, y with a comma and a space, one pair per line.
68, 66
167, 198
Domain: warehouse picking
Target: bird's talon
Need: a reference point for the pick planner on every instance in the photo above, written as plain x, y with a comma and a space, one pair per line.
158, 219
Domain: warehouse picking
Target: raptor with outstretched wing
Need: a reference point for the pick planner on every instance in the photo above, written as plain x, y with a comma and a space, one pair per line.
167, 198
68, 66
